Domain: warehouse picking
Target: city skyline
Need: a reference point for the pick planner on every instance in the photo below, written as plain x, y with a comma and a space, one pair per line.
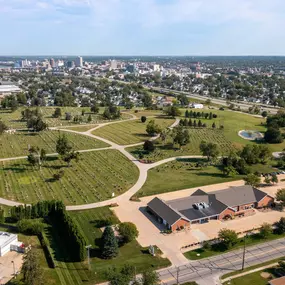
151, 27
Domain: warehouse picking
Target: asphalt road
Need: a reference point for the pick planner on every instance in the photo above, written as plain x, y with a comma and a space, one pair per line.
208, 270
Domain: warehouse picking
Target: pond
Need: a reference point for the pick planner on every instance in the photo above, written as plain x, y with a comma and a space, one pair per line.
250, 135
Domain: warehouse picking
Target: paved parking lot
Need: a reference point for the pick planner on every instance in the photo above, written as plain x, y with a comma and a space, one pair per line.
6, 265
170, 244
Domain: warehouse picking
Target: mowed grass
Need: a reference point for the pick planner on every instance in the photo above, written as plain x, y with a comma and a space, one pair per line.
13, 119
178, 175
131, 253
94, 178
12, 145
165, 150
81, 128
147, 113
130, 132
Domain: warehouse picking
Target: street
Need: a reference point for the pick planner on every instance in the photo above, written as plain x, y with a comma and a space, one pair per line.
207, 270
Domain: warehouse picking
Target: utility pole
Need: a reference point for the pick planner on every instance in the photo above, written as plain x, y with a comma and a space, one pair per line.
243, 256
88, 255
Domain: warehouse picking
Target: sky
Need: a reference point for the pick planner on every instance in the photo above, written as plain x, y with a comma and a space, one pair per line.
142, 27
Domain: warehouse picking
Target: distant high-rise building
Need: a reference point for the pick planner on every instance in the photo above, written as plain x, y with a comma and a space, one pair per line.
156, 67
113, 65
52, 62
70, 64
79, 61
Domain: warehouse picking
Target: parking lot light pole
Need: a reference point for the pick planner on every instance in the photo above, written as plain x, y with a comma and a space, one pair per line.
243, 256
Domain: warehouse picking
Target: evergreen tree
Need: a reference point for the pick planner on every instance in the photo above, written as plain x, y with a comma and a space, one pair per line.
62, 145
195, 124
211, 116
206, 115
194, 114
214, 125
187, 114
89, 119
191, 114
199, 124
190, 124
109, 244
185, 122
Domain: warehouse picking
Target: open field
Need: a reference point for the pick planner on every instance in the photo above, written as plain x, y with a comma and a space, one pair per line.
182, 174
165, 150
13, 120
132, 253
130, 132
80, 128
94, 178
143, 112
12, 145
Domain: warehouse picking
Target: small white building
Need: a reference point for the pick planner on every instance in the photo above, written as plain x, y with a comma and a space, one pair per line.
8, 90
9, 242
197, 106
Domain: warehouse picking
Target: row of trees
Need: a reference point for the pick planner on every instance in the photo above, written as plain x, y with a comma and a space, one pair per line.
34, 119
194, 114
194, 124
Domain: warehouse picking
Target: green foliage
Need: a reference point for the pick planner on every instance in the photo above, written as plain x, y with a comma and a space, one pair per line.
252, 179
57, 113
210, 150
152, 128
149, 146
2, 216
58, 175
122, 277
150, 277
273, 135
264, 114
228, 237
95, 109
230, 171
63, 146
128, 231
68, 157
265, 230
180, 136
109, 244
173, 111
274, 178
280, 196
3, 127
280, 226
47, 249
253, 154
111, 113
30, 227
37, 124
143, 119
31, 269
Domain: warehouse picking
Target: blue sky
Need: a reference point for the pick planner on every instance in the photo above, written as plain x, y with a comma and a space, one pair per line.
142, 27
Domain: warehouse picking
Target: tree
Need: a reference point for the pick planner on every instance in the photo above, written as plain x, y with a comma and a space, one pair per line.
2, 216
147, 100
280, 196
37, 124
173, 111
62, 145
150, 277
128, 231
273, 135
83, 113
89, 119
267, 180
199, 124
264, 114
31, 269
109, 244
280, 226
58, 175
214, 125
112, 112
3, 127
57, 113
68, 116
36, 156
95, 109
230, 171
164, 135
152, 128
210, 116
186, 114
252, 179
149, 146
265, 230
228, 237
122, 277
143, 119
209, 149
180, 136
72, 155
274, 178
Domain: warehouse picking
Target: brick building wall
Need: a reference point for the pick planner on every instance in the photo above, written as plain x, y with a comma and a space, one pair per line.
180, 223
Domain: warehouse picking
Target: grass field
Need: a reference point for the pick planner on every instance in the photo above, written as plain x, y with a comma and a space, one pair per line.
13, 120
12, 145
166, 150
94, 178
147, 113
130, 132
132, 253
81, 128
181, 174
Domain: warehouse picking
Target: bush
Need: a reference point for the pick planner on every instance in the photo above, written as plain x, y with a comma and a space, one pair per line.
228, 237
30, 227
143, 119
128, 231
47, 250
265, 230
148, 146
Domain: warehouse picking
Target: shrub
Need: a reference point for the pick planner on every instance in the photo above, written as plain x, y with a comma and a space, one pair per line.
143, 119
148, 146
47, 250
228, 237
265, 230
30, 227
128, 231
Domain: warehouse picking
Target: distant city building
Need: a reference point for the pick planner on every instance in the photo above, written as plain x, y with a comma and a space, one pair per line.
156, 67
52, 63
197, 106
70, 64
79, 61
195, 66
8, 90
113, 64
131, 68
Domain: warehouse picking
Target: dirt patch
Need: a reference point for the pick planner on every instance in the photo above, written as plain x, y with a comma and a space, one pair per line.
265, 275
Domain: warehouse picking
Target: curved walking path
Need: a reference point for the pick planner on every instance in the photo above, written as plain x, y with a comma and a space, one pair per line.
143, 168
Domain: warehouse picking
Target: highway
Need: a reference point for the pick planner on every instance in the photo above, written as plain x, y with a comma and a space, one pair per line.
208, 270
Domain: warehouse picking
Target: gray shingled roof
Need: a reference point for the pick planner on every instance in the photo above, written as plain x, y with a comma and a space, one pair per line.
241, 195
164, 211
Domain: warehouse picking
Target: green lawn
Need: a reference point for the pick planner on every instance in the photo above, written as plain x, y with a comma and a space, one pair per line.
13, 120
130, 132
90, 221
177, 175
12, 145
142, 112
94, 178
217, 249
165, 150
182, 174
81, 128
